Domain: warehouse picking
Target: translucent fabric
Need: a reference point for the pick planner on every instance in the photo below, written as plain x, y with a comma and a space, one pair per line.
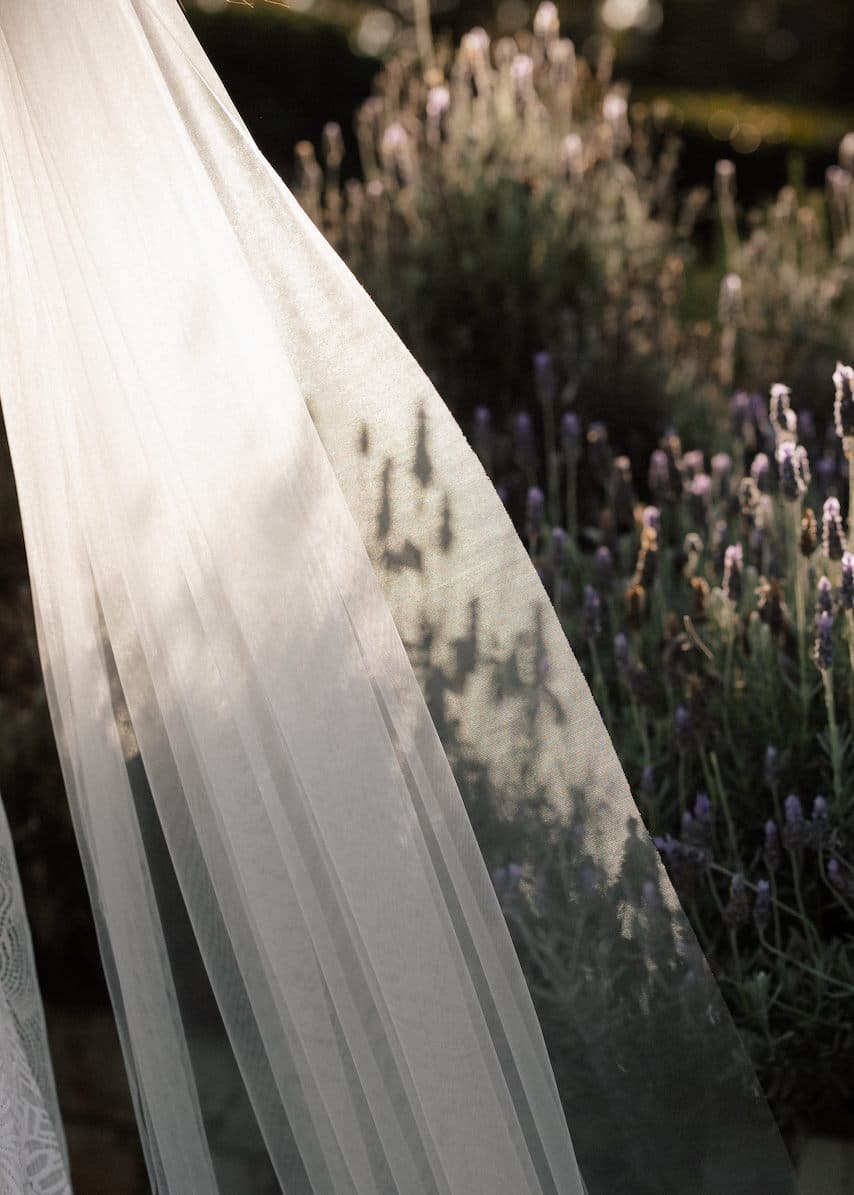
293, 648
32, 1146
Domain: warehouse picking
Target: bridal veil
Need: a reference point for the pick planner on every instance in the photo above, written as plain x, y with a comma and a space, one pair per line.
289, 637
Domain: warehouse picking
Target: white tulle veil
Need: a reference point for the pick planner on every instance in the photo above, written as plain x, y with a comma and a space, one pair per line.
289, 637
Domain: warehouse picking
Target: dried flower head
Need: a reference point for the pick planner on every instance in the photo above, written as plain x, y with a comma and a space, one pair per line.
772, 608
748, 496
645, 568
546, 21
635, 607
808, 541
622, 494
699, 599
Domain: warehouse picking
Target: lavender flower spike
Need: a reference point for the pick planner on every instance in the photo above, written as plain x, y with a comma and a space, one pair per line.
793, 463
846, 590
762, 906
824, 598
591, 612
779, 404
843, 404
832, 531
823, 649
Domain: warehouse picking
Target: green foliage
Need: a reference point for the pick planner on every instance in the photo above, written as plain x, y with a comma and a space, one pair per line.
697, 622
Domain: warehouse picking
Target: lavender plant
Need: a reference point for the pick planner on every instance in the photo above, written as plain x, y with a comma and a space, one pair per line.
519, 222
716, 627
508, 185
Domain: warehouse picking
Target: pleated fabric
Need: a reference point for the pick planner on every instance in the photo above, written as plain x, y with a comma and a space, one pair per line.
288, 636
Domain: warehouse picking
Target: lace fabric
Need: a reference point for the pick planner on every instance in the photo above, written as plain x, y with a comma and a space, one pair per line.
32, 1146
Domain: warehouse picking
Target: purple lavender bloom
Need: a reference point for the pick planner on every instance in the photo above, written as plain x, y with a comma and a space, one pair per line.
544, 376
823, 647
760, 413
793, 810
621, 654
659, 475
482, 418
740, 413
794, 468
721, 472
506, 881
591, 612
832, 531
700, 497
772, 846
570, 430
846, 590
762, 906
681, 724
795, 832
523, 428
733, 579
535, 506
824, 597
692, 463
647, 780
760, 472
652, 518
840, 882
703, 808
603, 568
558, 545
772, 765
819, 821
